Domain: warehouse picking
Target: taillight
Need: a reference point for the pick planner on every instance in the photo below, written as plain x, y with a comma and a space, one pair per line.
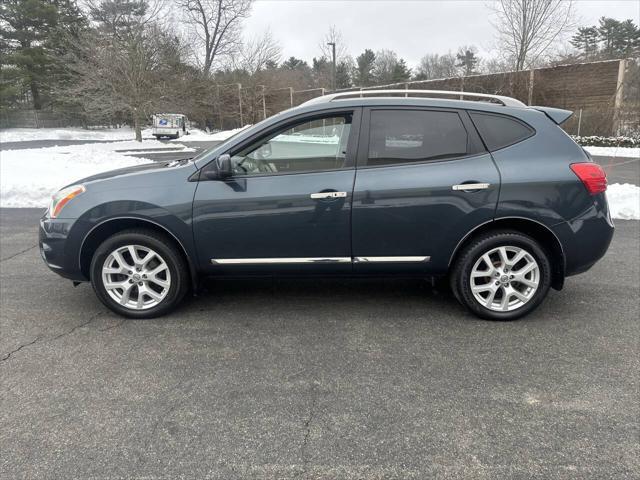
592, 175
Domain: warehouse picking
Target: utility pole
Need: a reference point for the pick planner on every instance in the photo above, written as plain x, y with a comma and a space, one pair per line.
264, 103
240, 104
333, 70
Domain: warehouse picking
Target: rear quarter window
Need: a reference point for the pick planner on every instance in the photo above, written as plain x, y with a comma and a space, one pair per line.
500, 131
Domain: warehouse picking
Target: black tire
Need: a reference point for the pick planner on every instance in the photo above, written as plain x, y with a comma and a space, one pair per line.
163, 246
460, 274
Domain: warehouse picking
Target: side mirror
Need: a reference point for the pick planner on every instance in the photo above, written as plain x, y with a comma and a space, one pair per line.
223, 168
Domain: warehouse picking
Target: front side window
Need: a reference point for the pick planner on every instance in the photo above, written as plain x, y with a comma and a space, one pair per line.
316, 145
405, 136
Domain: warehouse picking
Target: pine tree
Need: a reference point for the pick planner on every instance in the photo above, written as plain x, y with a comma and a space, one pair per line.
467, 60
401, 73
628, 42
609, 31
293, 63
363, 74
343, 77
586, 40
32, 41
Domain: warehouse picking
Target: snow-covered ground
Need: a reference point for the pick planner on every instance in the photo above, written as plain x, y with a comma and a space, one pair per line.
197, 135
32, 134
29, 177
614, 151
109, 134
624, 201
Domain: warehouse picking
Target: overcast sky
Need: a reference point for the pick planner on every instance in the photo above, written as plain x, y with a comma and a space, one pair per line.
411, 28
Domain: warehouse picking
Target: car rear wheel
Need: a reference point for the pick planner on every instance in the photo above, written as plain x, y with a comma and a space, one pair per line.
502, 275
139, 274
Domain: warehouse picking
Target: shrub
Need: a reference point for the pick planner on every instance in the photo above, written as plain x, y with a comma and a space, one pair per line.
597, 141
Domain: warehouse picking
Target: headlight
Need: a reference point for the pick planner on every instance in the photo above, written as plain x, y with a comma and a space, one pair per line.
61, 198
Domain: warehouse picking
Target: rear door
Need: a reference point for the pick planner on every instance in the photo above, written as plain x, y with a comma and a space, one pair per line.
424, 180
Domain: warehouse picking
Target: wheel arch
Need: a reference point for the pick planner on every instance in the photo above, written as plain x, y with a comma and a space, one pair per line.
103, 230
536, 230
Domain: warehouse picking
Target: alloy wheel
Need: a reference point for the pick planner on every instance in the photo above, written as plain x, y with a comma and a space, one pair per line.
505, 278
136, 277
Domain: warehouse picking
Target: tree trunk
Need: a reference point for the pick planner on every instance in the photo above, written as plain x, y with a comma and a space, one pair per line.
137, 126
35, 94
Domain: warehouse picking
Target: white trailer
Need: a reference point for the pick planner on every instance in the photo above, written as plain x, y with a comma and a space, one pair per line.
172, 125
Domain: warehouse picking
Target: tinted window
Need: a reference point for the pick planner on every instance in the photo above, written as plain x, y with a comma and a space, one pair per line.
499, 131
319, 144
401, 136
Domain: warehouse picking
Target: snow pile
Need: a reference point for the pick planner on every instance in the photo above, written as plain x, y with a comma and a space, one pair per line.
197, 135
223, 135
29, 177
624, 201
31, 134
614, 151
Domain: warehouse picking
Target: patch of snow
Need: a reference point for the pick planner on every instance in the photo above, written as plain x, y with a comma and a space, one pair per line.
197, 135
223, 135
29, 177
157, 150
32, 134
624, 201
630, 152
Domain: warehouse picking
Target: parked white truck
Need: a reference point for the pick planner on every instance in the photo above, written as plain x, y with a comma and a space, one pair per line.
172, 125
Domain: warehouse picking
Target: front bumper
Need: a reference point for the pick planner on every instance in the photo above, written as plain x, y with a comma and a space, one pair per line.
59, 248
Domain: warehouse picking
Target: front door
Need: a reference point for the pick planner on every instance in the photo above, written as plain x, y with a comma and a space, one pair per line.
287, 206
424, 181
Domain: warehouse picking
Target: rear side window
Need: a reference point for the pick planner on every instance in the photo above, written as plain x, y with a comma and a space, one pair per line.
405, 136
499, 131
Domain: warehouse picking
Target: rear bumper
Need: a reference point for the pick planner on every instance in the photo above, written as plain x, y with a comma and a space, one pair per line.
586, 238
166, 131
59, 249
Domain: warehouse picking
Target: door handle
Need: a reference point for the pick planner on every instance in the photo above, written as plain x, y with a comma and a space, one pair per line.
471, 186
321, 195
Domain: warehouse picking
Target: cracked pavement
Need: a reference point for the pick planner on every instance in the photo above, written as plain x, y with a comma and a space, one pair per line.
317, 379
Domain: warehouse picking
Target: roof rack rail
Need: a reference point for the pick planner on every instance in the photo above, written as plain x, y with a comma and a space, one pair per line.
505, 101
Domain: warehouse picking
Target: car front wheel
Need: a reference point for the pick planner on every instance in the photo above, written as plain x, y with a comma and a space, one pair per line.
502, 275
139, 274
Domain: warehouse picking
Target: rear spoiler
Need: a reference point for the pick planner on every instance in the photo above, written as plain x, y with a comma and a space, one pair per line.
556, 114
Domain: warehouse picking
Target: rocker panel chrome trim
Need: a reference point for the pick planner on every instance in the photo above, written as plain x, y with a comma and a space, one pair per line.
267, 261
395, 259
296, 260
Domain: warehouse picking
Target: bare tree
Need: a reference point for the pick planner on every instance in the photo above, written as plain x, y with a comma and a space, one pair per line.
384, 66
256, 54
216, 26
527, 28
126, 66
434, 66
333, 36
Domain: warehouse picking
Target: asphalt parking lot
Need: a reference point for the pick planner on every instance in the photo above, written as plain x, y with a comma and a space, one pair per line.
319, 379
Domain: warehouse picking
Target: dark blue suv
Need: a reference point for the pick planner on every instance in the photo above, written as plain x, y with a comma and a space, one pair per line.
479, 188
